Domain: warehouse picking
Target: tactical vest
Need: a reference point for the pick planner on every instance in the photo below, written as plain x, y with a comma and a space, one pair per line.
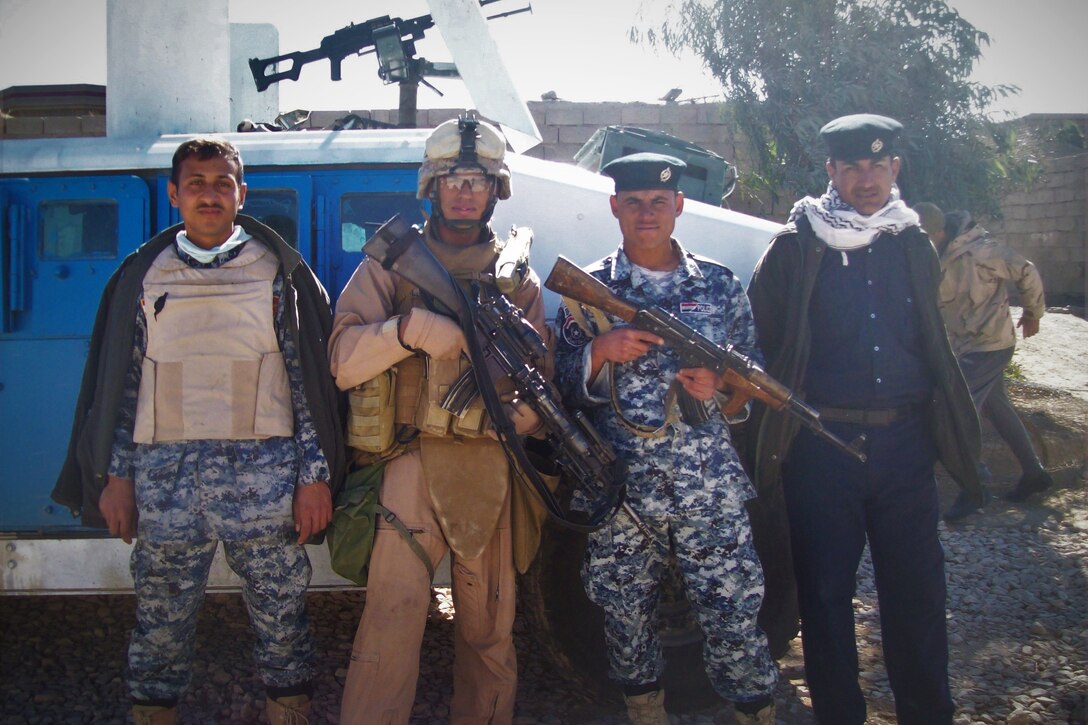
213, 368
423, 382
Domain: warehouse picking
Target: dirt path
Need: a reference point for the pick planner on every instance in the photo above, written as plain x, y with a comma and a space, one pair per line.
1057, 357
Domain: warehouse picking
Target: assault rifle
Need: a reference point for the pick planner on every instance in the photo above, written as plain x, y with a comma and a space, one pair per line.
502, 342
743, 374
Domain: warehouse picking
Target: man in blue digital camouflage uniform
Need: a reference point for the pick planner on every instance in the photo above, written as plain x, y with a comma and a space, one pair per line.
208, 406
685, 481
845, 300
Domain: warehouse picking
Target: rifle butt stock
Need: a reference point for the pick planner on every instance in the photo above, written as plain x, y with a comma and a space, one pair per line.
567, 279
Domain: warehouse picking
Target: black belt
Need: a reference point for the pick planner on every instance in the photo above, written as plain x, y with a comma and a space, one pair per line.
876, 417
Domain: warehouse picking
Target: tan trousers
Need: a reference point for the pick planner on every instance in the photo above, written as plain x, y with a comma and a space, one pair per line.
381, 680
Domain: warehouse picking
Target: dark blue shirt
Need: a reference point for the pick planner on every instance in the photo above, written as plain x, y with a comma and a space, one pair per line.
866, 339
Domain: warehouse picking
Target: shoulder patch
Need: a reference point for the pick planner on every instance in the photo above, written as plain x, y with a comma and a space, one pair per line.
571, 332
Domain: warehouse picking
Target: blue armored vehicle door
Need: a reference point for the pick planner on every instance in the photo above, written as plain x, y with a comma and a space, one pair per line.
62, 239
349, 208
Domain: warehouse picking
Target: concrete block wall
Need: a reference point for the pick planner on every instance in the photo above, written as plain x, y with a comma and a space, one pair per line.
569, 125
54, 126
1048, 224
566, 126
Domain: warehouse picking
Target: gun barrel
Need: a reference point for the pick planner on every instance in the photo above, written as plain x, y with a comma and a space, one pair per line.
508, 13
851, 449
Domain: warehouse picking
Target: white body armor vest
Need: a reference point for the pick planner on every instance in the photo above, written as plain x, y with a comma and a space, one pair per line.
213, 368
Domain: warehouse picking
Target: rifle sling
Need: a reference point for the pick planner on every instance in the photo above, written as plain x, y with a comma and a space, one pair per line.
508, 437
576, 310
672, 415
405, 533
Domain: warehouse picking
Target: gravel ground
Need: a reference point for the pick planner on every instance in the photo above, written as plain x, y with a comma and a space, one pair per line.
1017, 615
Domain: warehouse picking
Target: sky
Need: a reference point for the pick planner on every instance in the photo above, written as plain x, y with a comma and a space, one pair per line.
578, 48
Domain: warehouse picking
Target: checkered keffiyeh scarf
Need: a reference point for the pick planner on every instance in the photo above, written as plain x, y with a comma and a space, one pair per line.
842, 228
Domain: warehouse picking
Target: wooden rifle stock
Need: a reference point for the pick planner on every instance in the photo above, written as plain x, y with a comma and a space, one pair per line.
569, 280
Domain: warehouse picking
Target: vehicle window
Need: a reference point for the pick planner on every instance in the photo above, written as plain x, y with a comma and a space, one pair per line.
77, 229
362, 214
278, 208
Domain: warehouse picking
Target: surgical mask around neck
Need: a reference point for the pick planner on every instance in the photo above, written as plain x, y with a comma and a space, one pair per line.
238, 236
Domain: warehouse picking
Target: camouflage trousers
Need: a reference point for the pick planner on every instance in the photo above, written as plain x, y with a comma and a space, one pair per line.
721, 578
170, 581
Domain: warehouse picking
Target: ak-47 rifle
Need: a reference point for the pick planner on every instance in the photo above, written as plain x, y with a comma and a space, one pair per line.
742, 374
502, 342
361, 39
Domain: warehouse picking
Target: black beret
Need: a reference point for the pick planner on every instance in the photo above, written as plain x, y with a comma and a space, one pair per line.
645, 170
861, 136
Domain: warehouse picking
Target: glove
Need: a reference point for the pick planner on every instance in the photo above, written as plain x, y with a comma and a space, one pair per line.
525, 419
437, 335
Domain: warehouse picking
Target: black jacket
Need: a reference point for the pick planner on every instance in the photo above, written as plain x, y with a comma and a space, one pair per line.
86, 465
780, 292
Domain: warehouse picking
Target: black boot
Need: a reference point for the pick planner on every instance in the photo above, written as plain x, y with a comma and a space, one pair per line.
965, 505
1030, 483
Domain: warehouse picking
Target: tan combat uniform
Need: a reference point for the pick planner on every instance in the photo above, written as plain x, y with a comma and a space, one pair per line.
453, 488
974, 301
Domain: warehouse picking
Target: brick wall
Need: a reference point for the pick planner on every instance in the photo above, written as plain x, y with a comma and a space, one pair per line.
1049, 225
565, 125
38, 126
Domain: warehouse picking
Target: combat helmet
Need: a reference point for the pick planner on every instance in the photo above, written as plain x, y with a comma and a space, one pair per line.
464, 144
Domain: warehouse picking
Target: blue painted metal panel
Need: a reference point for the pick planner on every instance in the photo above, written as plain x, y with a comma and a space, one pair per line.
69, 237
75, 233
40, 380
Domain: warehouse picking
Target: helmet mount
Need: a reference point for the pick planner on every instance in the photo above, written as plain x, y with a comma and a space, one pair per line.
467, 125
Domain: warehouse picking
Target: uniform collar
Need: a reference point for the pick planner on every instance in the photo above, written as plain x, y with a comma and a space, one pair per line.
624, 270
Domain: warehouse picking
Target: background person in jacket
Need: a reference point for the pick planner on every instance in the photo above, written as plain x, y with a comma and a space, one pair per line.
685, 479
845, 302
448, 481
975, 270
208, 409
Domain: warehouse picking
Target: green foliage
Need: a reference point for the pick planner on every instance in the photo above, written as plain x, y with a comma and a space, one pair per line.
789, 66
1015, 371
1070, 134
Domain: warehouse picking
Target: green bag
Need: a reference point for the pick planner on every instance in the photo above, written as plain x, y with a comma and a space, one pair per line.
351, 532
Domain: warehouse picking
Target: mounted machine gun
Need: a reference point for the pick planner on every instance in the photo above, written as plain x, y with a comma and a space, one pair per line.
393, 40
